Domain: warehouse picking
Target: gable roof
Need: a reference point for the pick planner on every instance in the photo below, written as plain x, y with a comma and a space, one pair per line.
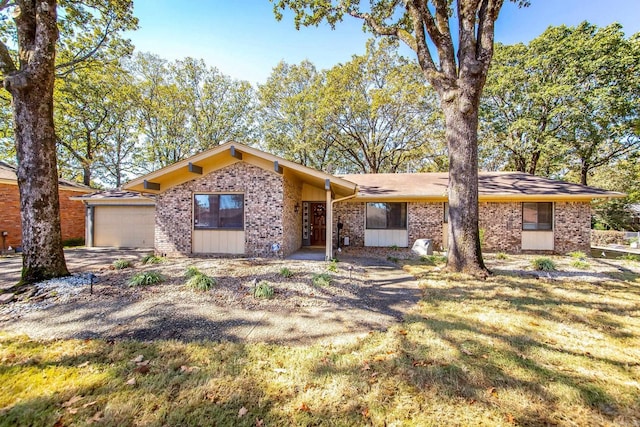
493, 186
117, 197
227, 154
8, 176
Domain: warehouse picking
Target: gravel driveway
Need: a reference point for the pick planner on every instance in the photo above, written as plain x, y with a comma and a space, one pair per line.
365, 294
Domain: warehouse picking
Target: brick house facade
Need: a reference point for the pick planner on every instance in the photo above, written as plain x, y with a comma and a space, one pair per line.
518, 212
72, 212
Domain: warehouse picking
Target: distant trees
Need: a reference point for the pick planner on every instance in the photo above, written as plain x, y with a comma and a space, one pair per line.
372, 114
565, 104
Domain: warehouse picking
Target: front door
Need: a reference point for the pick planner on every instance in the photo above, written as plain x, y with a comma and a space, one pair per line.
318, 224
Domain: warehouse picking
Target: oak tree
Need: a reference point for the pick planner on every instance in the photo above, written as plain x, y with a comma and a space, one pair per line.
457, 69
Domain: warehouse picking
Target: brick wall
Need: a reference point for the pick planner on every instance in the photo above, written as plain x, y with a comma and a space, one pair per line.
572, 227
71, 215
351, 214
292, 220
264, 204
502, 225
10, 214
425, 221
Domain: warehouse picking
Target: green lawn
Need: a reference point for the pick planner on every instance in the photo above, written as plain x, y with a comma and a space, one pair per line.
509, 350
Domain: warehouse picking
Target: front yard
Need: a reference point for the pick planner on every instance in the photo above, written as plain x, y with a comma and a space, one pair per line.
523, 347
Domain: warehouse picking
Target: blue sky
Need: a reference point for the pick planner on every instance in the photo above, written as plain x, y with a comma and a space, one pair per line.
243, 39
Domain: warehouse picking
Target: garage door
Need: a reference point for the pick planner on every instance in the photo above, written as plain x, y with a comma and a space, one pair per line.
124, 226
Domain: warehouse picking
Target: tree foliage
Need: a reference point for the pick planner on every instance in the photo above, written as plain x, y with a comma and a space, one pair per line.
566, 103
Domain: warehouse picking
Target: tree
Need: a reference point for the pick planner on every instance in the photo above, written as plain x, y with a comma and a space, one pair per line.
288, 106
379, 113
29, 79
458, 77
568, 100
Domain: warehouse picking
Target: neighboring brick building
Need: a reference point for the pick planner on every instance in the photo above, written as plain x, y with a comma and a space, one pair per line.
71, 212
235, 199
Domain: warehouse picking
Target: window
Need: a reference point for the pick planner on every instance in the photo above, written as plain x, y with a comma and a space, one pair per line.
537, 216
218, 211
387, 216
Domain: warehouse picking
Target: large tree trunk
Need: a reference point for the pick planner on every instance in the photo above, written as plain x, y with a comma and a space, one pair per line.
31, 88
464, 253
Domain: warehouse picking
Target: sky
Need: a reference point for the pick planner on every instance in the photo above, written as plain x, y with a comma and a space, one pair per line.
243, 39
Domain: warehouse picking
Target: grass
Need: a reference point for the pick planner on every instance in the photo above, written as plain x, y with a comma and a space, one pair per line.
146, 278
502, 351
434, 259
321, 279
333, 266
121, 264
190, 272
263, 290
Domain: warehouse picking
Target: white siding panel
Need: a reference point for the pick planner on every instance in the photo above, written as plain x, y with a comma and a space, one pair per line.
124, 226
398, 238
218, 242
537, 240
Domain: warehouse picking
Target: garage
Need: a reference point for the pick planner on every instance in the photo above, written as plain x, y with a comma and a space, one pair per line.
119, 219
123, 226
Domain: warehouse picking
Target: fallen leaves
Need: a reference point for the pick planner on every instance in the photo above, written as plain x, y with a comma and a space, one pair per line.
304, 407
242, 412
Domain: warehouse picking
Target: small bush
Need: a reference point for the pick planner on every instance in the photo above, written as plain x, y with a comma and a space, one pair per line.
501, 255
630, 257
263, 290
121, 264
333, 266
393, 259
543, 264
146, 278
190, 272
433, 259
580, 264
152, 259
285, 272
201, 282
578, 255
75, 241
321, 279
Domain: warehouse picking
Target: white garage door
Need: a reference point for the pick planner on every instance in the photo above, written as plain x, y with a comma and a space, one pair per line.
124, 226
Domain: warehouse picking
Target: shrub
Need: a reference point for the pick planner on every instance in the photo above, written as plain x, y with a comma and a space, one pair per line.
190, 272
201, 282
121, 264
321, 279
630, 257
333, 266
393, 259
285, 272
580, 264
501, 255
263, 290
578, 255
75, 241
146, 278
543, 264
152, 259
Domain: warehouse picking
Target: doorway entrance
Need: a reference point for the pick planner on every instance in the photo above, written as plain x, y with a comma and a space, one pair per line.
318, 233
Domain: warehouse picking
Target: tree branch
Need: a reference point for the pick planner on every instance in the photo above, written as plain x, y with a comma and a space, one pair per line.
92, 52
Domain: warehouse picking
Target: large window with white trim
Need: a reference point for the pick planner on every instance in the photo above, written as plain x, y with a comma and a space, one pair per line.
218, 211
386, 216
537, 216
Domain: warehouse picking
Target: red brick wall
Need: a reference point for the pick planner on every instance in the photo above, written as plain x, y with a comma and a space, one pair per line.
71, 215
10, 214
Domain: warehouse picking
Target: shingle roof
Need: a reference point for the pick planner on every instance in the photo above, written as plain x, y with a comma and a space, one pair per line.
116, 194
8, 172
510, 185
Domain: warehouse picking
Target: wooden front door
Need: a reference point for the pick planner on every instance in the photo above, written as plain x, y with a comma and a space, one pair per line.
318, 224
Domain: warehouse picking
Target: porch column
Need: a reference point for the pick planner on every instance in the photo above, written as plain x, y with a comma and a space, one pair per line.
329, 223
89, 226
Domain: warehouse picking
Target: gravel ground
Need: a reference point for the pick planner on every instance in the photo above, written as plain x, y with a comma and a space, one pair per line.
365, 294
368, 291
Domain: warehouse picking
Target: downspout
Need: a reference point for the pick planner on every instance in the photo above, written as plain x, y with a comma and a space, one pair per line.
329, 252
